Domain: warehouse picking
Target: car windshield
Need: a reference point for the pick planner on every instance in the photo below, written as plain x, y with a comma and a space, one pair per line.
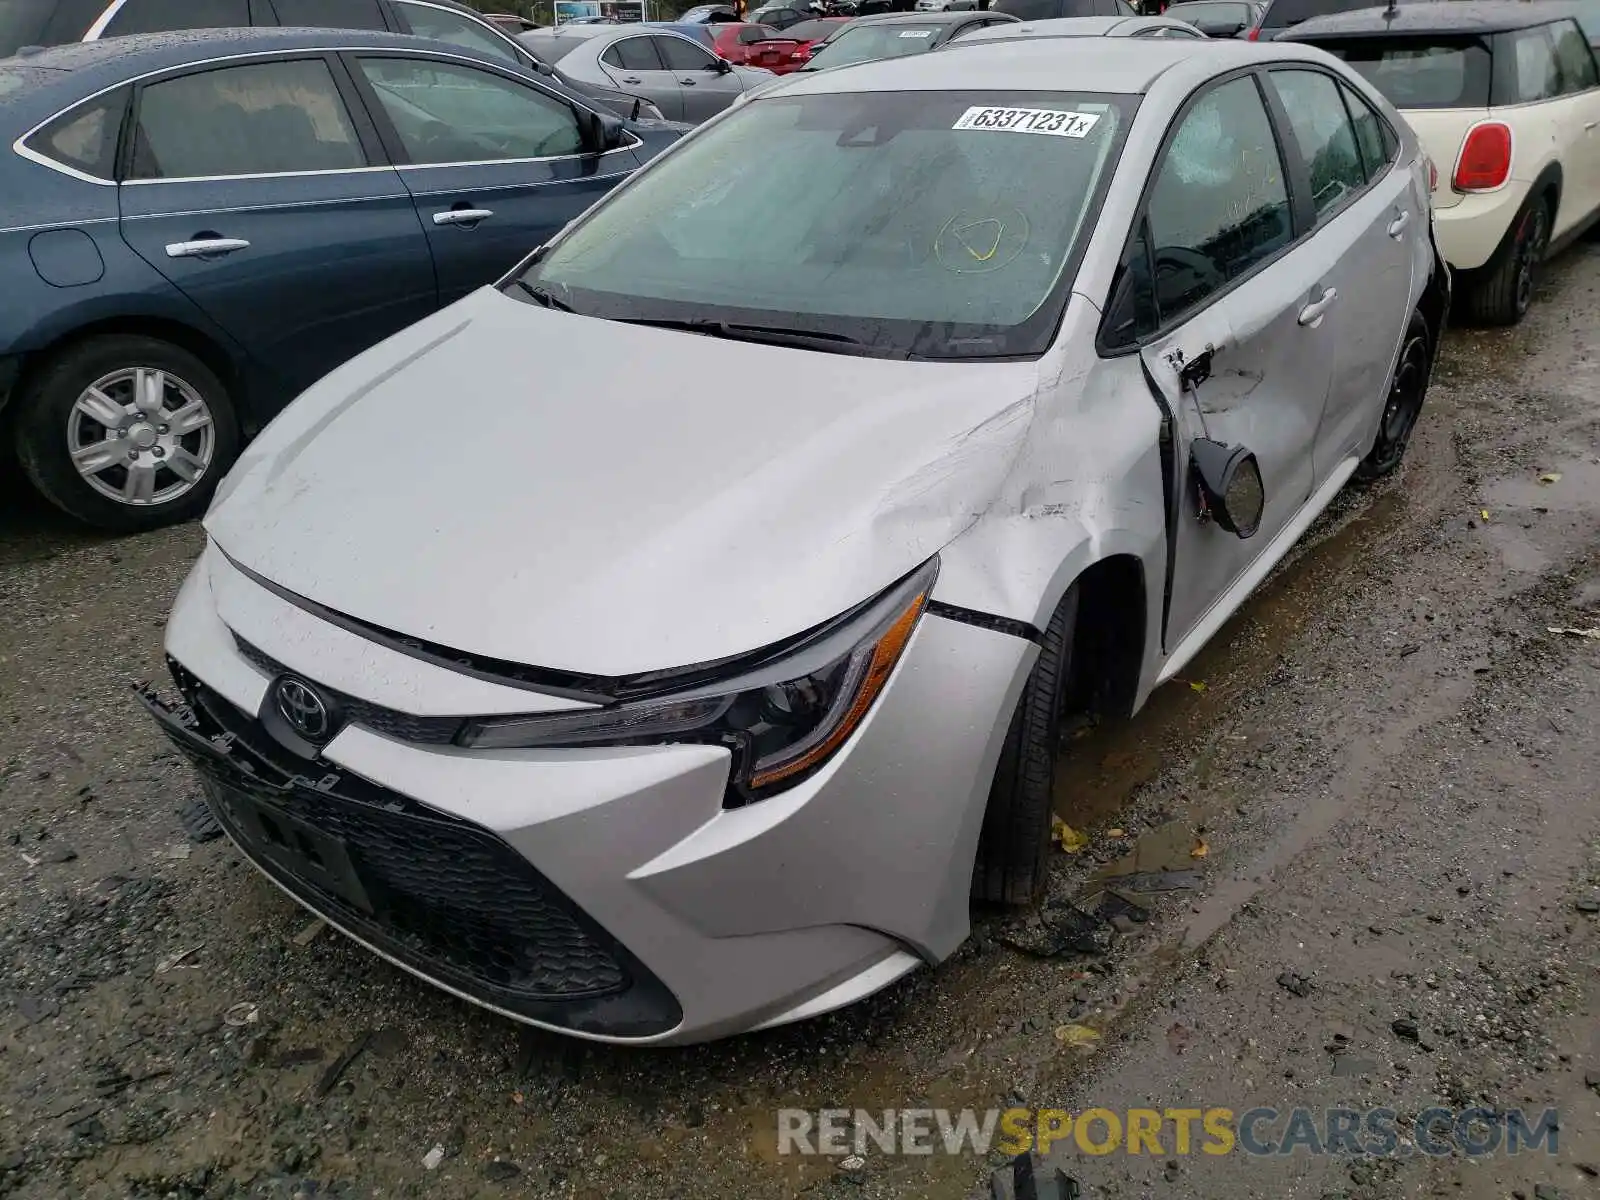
1211, 12
1281, 14
1420, 72
44, 22
925, 224
861, 43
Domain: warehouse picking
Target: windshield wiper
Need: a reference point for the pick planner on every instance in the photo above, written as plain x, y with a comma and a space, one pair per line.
543, 296
733, 331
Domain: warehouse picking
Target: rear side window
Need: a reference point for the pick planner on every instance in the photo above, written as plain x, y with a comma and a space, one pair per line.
1373, 135
159, 16
85, 138
1325, 134
1534, 61
633, 54
1420, 72
1574, 59
1220, 204
331, 14
260, 119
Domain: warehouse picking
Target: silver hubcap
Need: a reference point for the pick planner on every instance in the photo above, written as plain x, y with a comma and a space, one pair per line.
141, 436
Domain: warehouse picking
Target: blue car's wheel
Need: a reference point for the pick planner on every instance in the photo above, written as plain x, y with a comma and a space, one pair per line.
125, 433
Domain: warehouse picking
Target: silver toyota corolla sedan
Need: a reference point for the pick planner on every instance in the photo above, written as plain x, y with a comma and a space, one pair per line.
675, 73
670, 640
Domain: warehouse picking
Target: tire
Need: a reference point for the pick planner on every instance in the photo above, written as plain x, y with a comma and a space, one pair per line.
1500, 293
1014, 845
112, 391
1407, 389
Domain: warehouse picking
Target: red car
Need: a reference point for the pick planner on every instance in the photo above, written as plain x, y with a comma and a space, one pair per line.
808, 35
749, 45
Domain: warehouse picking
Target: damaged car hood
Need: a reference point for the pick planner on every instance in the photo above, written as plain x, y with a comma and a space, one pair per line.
566, 492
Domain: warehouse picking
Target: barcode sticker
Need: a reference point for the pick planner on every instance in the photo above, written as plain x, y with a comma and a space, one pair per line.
1052, 121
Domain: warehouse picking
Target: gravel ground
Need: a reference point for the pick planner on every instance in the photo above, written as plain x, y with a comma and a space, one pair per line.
1390, 761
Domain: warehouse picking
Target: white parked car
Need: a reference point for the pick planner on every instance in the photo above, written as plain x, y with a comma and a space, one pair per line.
1505, 97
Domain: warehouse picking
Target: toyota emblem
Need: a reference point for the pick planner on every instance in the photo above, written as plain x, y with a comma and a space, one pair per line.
304, 710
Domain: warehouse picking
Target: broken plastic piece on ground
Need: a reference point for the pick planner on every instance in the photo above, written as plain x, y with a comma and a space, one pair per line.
198, 822
1550, 477
1593, 634
1071, 840
1021, 1180
1157, 881
173, 960
1072, 1034
432, 1159
1060, 928
244, 1013
341, 1064
307, 935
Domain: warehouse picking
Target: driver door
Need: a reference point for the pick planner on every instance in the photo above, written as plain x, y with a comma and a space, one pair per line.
1243, 351
495, 164
708, 83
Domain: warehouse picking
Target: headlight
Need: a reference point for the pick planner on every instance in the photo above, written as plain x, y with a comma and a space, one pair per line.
781, 719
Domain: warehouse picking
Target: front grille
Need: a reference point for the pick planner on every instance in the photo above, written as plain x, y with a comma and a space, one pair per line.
404, 727
441, 895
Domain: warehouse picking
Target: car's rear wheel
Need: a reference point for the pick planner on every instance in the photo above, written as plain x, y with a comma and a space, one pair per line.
1014, 845
125, 432
1500, 293
1407, 389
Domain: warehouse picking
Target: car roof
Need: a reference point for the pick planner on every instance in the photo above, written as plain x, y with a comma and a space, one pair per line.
916, 18
81, 68
1069, 27
1442, 16
1126, 66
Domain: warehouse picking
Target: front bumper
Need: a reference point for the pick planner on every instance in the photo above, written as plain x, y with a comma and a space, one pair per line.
1471, 230
602, 892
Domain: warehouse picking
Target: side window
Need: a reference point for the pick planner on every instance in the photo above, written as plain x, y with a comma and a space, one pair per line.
1326, 137
265, 118
445, 113
680, 54
445, 26
1376, 151
1574, 58
159, 16
633, 54
85, 138
331, 14
1537, 75
1220, 204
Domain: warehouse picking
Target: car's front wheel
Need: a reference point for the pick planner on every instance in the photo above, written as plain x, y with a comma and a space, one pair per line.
125, 432
1014, 845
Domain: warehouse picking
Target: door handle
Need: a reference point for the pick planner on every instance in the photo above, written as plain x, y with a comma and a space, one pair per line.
1398, 225
1590, 125
1312, 313
631, 79
462, 216
205, 247
687, 82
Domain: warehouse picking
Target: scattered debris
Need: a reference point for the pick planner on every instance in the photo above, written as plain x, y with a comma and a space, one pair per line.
1059, 928
1484, 513
1197, 685
1591, 634
1116, 833
1294, 983
432, 1159
1550, 477
1405, 1027
340, 1065
174, 960
853, 1163
244, 1013
1021, 1180
1588, 905
37, 1008
309, 934
500, 1171
1201, 848
177, 853
198, 823
1076, 1035
1071, 841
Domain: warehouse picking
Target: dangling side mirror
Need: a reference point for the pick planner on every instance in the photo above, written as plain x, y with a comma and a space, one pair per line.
1229, 483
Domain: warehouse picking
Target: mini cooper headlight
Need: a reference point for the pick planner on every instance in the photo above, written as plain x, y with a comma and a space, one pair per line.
781, 719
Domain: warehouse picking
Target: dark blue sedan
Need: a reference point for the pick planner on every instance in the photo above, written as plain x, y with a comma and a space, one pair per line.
195, 227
